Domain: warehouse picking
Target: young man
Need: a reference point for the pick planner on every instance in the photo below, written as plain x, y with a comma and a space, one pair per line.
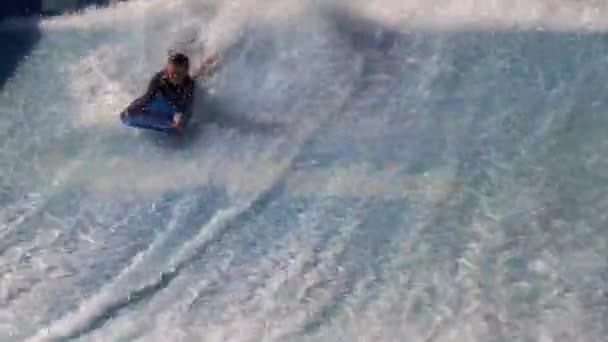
176, 85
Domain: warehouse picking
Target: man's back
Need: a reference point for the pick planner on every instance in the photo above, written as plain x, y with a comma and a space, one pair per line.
180, 95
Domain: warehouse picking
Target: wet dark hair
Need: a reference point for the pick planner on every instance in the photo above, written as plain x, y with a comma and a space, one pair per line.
179, 59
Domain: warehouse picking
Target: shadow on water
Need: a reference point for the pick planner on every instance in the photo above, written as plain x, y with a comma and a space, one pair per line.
30, 8
20, 35
18, 40
214, 112
23, 8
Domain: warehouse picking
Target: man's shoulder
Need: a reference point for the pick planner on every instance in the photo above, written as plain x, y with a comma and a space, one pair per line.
190, 81
160, 75
157, 78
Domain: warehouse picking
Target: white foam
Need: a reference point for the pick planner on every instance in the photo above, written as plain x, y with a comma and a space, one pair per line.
97, 45
365, 181
497, 15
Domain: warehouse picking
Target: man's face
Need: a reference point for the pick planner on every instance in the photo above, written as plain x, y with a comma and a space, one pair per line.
177, 74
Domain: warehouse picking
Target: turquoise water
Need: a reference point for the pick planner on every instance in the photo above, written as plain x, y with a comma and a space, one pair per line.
346, 178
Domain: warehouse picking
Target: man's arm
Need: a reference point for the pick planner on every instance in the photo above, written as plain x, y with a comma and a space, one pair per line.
184, 105
139, 103
208, 66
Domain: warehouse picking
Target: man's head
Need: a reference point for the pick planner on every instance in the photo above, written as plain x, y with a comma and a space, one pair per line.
178, 67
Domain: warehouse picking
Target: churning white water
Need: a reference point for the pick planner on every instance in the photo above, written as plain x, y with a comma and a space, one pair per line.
357, 171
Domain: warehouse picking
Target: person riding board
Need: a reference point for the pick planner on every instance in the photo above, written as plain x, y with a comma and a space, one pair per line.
176, 85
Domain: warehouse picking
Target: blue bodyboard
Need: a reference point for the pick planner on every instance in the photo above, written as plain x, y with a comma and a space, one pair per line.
157, 115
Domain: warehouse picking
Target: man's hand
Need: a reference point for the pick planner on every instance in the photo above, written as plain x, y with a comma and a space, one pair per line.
207, 67
177, 121
125, 114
